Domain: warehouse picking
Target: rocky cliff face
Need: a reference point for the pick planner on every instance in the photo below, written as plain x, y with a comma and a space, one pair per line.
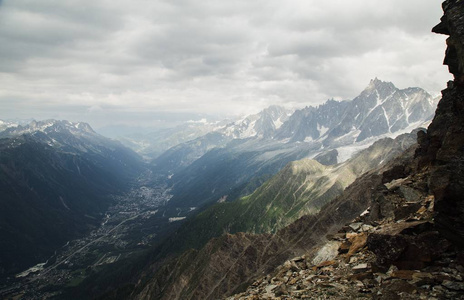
444, 144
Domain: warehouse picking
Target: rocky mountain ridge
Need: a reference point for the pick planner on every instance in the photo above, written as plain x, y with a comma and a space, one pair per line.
202, 173
63, 135
262, 125
381, 108
7, 124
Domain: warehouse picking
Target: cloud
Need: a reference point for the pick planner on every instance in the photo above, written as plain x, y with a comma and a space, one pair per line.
213, 57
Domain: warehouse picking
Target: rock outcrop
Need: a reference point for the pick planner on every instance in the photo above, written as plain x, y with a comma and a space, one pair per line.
444, 144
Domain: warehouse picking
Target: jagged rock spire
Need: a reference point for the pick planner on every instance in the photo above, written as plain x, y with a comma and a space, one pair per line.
452, 24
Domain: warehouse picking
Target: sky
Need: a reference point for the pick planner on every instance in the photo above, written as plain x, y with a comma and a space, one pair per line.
155, 62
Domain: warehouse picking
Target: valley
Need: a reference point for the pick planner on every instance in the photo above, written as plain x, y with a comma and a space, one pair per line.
129, 227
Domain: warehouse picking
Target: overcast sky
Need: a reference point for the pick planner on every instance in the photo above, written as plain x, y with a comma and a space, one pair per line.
141, 61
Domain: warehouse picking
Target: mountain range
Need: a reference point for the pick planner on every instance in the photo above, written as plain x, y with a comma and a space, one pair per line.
220, 164
380, 110
57, 180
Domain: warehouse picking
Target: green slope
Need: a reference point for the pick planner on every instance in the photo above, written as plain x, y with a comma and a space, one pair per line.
300, 188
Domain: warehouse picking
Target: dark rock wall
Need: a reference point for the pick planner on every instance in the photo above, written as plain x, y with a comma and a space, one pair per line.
452, 24
443, 148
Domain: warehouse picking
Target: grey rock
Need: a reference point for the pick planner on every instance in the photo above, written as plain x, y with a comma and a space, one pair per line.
328, 252
453, 285
366, 228
356, 226
360, 268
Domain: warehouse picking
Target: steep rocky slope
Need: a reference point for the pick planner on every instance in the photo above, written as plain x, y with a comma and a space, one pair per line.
389, 252
407, 244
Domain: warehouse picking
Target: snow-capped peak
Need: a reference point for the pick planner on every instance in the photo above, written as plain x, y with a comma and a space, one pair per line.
51, 125
7, 124
262, 124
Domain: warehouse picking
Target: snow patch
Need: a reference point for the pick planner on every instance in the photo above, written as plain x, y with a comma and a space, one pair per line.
346, 152
322, 129
278, 123
202, 121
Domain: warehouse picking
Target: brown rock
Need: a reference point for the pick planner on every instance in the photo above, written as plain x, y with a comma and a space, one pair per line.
421, 210
293, 280
367, 228
350, 235
325, 264
422, 278
294, 267
440, 278
357, 242
404, 211
396, 289
361, 276
344, 247
280, 290
403, 274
